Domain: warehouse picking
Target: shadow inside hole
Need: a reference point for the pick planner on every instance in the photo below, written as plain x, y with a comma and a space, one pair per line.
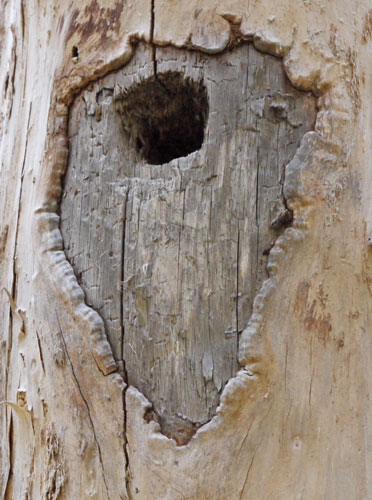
164, 116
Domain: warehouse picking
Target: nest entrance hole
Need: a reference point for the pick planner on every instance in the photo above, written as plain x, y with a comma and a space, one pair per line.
165, 116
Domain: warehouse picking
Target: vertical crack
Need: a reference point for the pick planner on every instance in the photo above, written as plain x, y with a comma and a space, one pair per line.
22, 20
86, 405
254, 453
289, 212
123, 367
257, 214
122, 278
126, 455
257, 185
237, 287
249, 470
208, 264
179, 288
13, 62
40, 352
153, 46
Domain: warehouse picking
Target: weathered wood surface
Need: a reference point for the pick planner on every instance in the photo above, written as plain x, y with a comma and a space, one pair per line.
171, 255
296, 421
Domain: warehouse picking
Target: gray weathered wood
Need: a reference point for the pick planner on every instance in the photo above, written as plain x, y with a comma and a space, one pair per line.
171, 255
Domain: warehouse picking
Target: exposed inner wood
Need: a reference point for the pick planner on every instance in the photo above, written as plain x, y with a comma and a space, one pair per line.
171, 255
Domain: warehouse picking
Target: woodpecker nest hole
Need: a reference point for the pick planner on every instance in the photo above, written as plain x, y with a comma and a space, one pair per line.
164, 116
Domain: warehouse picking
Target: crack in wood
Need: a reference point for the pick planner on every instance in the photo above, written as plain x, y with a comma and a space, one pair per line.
40, 351
122, 279
86, 406
153, 45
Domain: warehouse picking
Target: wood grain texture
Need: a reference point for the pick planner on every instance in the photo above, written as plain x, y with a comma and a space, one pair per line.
171, 255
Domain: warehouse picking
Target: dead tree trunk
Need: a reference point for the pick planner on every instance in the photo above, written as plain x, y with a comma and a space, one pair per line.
184, 251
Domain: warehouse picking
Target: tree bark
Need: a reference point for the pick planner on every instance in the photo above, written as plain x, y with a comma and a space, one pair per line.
185, 250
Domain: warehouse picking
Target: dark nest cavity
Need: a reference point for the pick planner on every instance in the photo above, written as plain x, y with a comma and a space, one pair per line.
165, 116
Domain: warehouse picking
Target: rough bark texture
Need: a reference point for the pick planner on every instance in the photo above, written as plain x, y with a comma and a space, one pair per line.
171, 255
295, 421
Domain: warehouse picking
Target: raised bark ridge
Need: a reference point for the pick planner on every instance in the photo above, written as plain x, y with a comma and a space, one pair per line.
172, 254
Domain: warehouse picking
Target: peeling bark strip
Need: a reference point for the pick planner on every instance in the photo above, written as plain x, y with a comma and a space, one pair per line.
172, 254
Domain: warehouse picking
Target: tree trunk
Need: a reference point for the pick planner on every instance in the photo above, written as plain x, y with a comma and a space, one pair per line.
185, 250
